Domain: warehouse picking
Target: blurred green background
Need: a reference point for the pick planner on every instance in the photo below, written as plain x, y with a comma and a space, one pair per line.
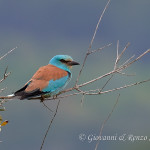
43, 28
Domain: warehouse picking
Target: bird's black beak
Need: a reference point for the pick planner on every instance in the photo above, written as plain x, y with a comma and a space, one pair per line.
72, 63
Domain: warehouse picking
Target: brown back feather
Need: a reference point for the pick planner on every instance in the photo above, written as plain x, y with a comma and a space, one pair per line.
43, 75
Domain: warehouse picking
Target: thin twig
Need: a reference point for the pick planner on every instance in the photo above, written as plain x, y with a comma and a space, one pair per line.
50, 125
127, 65
102, 92
5, 75
7, 53
47, 107
119, 57
98, 25
105, 121
114, 71
117, 49
5, 97
124, 74
128, 60
99, 49
88, 51
98, 78
126, 86
115, 89
105, 83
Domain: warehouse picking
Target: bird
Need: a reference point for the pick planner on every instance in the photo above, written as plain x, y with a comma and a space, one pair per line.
48, 80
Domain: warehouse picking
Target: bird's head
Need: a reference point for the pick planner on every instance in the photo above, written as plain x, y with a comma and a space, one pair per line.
64, 62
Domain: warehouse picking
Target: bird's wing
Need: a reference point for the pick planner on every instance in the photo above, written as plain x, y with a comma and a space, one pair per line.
48, 78
44, 76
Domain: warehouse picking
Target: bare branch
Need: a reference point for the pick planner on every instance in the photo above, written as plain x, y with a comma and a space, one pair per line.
127, 65
114, 71
88, 51
98, 25
7, 53
93, 51
105, 121
95, 79
126, 86
5, 75
50, 125
128, 60
47, 106
105, 84
117, 49
119, 57
96, 92
5, 97
124, 74
99, 91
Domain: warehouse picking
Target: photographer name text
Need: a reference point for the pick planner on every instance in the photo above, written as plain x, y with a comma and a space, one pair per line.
123, 137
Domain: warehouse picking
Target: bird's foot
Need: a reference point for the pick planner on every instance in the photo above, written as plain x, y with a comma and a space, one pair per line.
42, 98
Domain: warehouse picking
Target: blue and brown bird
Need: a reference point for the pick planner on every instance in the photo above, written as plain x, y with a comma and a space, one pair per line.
48, 80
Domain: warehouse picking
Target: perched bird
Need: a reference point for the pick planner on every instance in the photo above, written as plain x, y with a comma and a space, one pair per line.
48, 80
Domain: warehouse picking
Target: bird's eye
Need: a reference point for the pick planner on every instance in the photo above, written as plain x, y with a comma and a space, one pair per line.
64, 61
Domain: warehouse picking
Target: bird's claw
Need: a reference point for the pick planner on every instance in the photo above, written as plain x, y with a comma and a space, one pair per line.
42, 98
